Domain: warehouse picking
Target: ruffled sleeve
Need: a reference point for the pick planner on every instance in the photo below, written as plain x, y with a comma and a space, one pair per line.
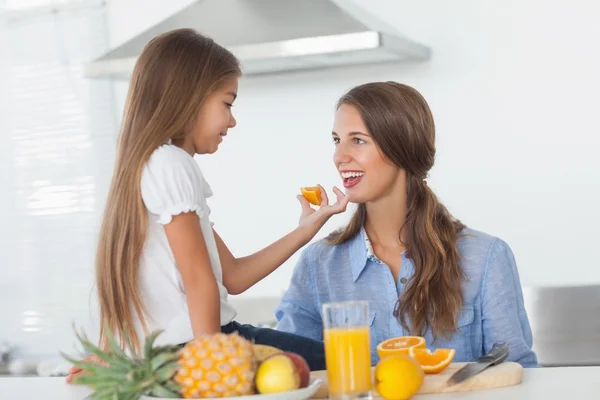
172, 183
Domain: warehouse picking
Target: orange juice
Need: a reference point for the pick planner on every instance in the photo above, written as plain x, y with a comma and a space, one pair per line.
348, 358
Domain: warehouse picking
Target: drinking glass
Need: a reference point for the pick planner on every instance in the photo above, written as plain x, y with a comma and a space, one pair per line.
346, 332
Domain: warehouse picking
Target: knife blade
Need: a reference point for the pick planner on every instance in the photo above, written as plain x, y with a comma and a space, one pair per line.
497, 354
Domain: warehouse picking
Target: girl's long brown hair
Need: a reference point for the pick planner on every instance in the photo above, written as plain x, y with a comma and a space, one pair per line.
174, 74
400, 122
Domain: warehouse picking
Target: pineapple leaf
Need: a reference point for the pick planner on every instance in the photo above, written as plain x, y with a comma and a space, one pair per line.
87, 344
129, 343
93, 367
105, 391
98, 381
108, 391
138, 374
167, 371
172, 386
139, 388
105, 387
165, 349
162, 359
102, 394
123, 388
114, 346
107, 357
161, 391
149, 343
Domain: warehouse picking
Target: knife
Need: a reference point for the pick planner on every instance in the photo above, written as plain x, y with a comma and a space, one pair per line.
497, 354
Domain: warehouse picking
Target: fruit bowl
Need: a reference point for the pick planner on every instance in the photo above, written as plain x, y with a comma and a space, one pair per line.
226, 364
299, 394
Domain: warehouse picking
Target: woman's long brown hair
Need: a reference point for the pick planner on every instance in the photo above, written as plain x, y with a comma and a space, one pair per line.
174, 74
400, 122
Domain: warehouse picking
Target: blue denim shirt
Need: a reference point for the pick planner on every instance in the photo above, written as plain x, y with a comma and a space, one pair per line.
493, 308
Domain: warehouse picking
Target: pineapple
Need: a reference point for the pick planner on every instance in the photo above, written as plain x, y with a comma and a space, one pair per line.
216, 366
219, 365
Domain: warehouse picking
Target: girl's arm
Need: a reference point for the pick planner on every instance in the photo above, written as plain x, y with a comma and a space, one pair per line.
191, 256
239, 274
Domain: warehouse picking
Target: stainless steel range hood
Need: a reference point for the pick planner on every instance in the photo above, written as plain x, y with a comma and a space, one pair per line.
275, 36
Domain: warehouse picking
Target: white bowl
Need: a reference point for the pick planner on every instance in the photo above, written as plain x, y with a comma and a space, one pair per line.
299, 394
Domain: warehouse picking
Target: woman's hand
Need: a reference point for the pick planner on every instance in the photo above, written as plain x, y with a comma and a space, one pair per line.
318, 218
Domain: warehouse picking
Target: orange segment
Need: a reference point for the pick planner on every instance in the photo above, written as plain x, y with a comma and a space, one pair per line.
435, 362
399, 345
312, 194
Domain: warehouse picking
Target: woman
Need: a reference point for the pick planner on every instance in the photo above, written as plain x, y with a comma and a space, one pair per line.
423, 272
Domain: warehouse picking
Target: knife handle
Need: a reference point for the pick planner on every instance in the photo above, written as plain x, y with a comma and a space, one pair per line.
497, 354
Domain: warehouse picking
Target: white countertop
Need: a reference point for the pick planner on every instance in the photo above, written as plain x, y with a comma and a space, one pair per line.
571, 383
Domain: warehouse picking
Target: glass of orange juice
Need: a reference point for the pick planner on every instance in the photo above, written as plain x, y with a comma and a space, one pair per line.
346, 332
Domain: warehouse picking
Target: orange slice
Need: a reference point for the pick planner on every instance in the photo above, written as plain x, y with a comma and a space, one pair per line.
432, 363
312, 194
399, 345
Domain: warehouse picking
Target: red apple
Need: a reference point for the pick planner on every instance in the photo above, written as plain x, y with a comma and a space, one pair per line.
302, 367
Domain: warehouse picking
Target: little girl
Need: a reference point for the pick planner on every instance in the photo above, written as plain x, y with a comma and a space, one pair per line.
160, 264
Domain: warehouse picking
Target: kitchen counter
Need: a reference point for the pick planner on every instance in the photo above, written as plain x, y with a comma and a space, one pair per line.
580, 383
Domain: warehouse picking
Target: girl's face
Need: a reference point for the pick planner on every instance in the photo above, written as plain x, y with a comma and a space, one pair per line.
366, 173
214, 119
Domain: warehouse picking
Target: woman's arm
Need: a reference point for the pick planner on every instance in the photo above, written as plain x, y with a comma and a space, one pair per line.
299, 310
191, 256
239, 274
503, 311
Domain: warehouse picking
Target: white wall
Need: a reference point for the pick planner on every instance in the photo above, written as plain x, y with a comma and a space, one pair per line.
514, 90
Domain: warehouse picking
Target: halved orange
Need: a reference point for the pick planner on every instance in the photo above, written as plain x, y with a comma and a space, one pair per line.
435, 362
312, 194
399, 345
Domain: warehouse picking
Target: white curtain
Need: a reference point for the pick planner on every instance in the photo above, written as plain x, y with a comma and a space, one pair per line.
57, 144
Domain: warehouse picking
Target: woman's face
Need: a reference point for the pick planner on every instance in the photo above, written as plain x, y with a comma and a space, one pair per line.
366, 173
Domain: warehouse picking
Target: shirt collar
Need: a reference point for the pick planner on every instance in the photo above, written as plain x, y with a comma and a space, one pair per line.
361, 252
370, 252
359, 255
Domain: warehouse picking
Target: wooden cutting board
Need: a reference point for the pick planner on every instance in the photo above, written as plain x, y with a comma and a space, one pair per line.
505, 374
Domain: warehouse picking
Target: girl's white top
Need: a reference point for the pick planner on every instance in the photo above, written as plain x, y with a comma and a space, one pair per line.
172, 183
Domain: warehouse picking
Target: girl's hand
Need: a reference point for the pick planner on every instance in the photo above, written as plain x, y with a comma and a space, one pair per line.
76, 371
317, 218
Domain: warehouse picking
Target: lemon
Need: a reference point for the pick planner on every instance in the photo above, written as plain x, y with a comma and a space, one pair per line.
398, 377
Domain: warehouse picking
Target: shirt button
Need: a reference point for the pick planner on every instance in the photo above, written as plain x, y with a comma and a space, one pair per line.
403, 280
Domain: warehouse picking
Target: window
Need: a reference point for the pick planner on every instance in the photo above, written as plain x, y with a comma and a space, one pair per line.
58, 138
